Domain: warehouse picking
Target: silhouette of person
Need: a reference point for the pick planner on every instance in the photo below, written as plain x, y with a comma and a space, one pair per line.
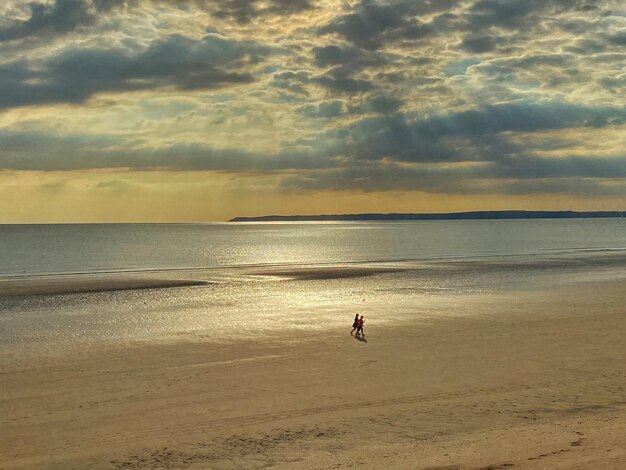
359, 328
355, 323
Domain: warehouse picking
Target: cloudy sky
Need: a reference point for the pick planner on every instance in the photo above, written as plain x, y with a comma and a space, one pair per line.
200, 110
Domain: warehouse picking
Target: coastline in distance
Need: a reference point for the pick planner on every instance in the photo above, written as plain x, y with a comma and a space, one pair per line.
475, 215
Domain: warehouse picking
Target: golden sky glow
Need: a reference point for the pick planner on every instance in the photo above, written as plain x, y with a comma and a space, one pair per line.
156, 110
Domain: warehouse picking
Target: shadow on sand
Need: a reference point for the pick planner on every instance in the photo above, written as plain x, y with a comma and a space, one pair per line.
361, 338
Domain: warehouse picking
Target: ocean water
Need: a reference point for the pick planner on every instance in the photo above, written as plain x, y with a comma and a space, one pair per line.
439, 268
90, 248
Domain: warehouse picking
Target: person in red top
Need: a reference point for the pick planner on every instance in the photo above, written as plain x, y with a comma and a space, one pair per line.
359, 328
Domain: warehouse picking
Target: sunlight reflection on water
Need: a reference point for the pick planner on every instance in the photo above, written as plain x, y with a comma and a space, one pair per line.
258, 307
439, 270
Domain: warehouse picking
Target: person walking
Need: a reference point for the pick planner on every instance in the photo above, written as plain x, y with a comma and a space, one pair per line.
359, 328
355, 324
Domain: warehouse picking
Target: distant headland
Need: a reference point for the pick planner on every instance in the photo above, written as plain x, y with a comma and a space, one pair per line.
477, 215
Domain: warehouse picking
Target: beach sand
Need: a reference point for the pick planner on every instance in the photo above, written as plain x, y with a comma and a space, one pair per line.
514, 381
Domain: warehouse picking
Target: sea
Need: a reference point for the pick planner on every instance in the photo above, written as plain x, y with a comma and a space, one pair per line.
407, 271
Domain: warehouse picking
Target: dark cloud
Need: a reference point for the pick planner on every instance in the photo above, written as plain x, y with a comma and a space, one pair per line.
46, 152
395, 137
618, 39
244, 11
64, 16
326, 109
614, 84
75, 75
334, 55
403, 138
582, 176
349, 58
393, 78
509, 69
450, 179
291, 81
60, 17
517, 14
477, 136
529, 167
383, 104
471, 136
585, 46
377, 104
370, 104
377, 154
524, 15
478, 44
340, 80
108, 5
346, 63
372, 24
509, 13
588, 7
366, 26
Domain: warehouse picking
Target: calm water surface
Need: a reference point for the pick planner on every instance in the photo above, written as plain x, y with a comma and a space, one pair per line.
46, 249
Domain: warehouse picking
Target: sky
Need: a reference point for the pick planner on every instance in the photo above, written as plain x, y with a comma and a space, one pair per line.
203, 110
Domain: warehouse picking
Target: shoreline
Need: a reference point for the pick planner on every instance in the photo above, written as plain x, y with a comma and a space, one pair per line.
399, 217
524, 384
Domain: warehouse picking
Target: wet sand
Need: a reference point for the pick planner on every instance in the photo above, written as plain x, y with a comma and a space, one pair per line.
337, 272
527, 381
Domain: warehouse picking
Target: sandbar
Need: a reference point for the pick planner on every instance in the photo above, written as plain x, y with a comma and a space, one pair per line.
321, 273
57, 285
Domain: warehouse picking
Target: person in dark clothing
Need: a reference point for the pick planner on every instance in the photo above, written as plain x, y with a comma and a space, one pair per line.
355, 323
359, 328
